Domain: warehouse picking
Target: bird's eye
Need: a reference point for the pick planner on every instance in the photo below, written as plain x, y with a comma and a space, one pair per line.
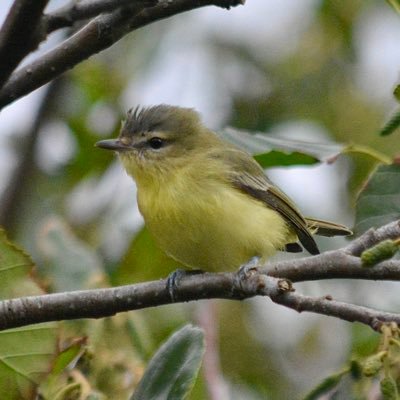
156, 143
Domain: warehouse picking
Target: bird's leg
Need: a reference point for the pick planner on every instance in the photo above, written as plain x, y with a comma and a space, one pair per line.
245, 269
175, 277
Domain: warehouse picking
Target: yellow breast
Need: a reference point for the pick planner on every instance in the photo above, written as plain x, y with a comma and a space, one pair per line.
205, 223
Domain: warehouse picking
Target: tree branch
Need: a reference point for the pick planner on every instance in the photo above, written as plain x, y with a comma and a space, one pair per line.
97, 35
100, 303
73, 12
344, 263
20, 34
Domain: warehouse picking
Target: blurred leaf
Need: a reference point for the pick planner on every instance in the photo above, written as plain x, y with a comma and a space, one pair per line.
26, 353
396, 93
88, 158
173, 369
113, 365
98, 81
395, 4
275, 151
259, 143
54, 385
391, 125
365, 341
326, 385
379, 201
68, 355
70, 263
138, 333
276, 158
337, 18
143, 261
358, 149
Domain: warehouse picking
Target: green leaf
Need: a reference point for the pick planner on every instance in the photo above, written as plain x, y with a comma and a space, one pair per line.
262, 144
26, 353
391, 125
274, 151
326, 385
69, 263
54, 387
143, 251
71, 353
396, 93
276, 158
379, 201
171, 373
395, 4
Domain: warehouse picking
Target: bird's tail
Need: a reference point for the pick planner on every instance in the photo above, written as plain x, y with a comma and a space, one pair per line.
326, 228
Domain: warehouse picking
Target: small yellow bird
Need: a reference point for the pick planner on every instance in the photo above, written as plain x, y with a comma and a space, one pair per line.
207, 203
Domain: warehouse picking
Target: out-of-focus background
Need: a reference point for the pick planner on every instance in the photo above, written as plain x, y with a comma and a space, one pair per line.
322, 71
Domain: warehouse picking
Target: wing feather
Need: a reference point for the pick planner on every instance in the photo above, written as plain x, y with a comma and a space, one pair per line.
246, 175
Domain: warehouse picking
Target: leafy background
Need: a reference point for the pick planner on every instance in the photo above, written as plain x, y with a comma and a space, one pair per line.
322, 71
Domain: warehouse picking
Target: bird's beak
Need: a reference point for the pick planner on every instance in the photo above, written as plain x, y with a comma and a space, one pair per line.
112, 144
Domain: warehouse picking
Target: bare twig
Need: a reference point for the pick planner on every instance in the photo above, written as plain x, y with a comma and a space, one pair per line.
20, 34
73, 12
372, 237
345, 311
97, 35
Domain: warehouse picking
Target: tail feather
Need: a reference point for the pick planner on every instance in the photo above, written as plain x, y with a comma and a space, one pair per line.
326, 228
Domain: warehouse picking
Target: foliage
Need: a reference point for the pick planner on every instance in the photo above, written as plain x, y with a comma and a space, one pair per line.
173, 369
379, 370
26, 353
79, 222
378, 202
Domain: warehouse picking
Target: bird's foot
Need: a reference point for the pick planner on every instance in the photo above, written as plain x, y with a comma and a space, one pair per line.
175, 277
245, 270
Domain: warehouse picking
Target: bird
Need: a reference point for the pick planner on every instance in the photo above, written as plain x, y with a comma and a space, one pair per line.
207, 203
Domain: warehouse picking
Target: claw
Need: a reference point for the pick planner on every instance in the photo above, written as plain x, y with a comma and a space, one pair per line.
244, 272
245, 269
175, 277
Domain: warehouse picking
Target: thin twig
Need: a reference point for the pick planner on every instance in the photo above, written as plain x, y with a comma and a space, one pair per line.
97, 35
333, 308
372, 237
20, 34
333, 265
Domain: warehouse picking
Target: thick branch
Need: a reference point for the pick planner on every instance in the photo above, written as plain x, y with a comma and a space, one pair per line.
100, 303
20, 34
97, 35
105, 302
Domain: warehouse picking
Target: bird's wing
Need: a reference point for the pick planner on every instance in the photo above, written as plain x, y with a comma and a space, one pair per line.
246, 175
